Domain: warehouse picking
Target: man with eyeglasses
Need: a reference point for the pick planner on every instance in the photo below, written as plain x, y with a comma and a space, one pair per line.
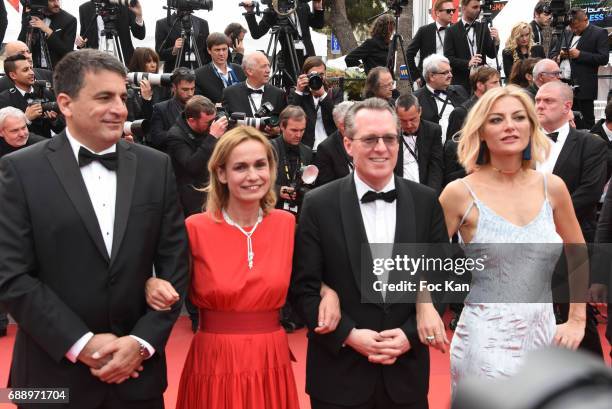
438, 97
374, 358
19, 47
541, 18
544, 71
429, 39
464, 45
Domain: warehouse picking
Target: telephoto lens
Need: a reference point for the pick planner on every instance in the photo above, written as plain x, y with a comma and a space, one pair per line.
315, 81
165, 80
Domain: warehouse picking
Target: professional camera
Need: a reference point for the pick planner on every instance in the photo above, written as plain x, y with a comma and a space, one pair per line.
126, 3
190, 5
315, 81
487, 8
165, 80
37, 8
138, 129
263, 117
303, 182
561, 17
39, 97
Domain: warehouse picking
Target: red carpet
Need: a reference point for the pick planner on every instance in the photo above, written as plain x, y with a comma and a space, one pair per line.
439, 391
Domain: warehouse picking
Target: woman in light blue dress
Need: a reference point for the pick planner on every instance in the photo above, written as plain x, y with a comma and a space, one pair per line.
519, 218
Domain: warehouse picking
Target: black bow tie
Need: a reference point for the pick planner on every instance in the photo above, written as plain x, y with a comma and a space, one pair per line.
255, 91
371, 196
29, 95
553, 136
109, 160
442, 29
439, 92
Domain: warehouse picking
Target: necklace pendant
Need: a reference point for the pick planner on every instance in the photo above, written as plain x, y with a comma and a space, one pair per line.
250, 258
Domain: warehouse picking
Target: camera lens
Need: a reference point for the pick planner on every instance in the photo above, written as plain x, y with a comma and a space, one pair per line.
315, 81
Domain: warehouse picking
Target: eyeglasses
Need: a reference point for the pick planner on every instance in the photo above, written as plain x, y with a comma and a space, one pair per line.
448, 11
442, 72
552, 73
371, 141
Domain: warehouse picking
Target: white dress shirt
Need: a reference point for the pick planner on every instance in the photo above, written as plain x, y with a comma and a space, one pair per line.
566, 66
607, 131
448, 108
471, 38
101, 185
440, 38
410, 165
320, 132
255, 99
555, 149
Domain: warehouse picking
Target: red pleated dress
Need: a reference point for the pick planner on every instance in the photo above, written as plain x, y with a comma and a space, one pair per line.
240, 357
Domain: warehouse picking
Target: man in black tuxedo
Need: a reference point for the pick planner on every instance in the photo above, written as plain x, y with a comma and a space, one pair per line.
332, 160
3, 21
429, 39
603, 128
190, 142
19, 47
317, 103
545, 70
214, 77
169, 43
542, 17
438, 98
166, 113
250, 95
578, 158
420, 155
374, 358
128, 19
581, 51
21, 95
83, 218
463, 44
303, 19
58, 28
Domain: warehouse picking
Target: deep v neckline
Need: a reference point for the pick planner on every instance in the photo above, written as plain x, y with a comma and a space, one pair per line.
496, 214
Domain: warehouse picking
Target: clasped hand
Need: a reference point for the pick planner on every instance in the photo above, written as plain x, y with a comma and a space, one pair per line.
380, 347
112, 359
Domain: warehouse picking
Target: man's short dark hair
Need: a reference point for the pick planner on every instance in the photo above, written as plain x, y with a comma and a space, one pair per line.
407, 101
215, 39
69, 74
482, 74
608, 111
182, 74
234, 30
291, 112
197, 105
10, 64
542, 7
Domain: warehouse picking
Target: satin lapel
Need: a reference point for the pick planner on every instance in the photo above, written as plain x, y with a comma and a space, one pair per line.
421, 149
432, 100
63, 162
126, 174
356, 239
566, 152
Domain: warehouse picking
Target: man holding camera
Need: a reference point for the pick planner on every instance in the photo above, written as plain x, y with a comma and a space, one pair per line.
190, 142
23, 96
19, 47
56, 28
125, 20
542, 17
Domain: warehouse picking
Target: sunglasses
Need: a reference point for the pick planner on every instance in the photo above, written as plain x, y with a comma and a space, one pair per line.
448, 11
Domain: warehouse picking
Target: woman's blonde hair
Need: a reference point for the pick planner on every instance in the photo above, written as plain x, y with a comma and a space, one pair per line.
218, 193
471, 135
517, 31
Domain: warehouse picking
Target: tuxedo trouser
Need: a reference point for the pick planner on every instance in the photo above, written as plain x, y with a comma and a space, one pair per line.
112, 401
587, 108
379, 400
3, 320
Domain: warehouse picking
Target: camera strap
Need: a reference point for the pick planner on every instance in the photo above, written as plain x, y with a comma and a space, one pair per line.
472, 40
415, 152
444, 104
252, 103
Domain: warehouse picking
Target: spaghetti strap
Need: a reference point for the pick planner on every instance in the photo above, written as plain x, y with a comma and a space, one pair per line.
469, 208
467, 186
545, 186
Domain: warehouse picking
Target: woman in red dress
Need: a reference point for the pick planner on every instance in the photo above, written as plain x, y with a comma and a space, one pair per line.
241, 250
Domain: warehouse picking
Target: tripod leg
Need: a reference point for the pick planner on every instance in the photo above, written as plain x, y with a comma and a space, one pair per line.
400, 40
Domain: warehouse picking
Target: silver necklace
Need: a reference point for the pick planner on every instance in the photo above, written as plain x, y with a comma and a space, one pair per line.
250, 253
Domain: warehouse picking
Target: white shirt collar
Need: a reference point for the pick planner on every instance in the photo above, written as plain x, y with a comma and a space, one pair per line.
252, 87
607, 131
363, 188
563, 132
465, 23
227, 67
76, 145
22, 92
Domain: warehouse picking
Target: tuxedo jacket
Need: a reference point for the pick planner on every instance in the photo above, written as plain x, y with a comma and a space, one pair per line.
126, 23
424, 43
332, 159
599, 131
457, 50
60, 42
429, 148
333, 98
307, 19
165, 114
39, 74
582, 166
5, 148
236, 99
12, 97
331, 234
210, 85
427, 100
594, 51
58, 280
3, 21
164, 39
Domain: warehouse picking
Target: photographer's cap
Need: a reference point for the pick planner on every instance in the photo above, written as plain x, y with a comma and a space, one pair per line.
542, 7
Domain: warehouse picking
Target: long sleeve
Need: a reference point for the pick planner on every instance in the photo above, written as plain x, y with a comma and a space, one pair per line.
411, 51
3, 21
138, 31
194, 162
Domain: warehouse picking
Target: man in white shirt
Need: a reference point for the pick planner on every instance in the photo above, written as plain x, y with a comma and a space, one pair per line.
84, 217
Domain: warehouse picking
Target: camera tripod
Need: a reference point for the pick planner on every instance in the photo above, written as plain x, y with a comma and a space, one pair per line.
285, 67
486, 22
111, 43
188, 55
35, 39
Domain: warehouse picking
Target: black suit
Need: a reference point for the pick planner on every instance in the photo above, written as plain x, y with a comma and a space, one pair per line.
599, 131
41, 126
126, 23
332, 160
287, 169
594, 52
60, 42
333, 98
164, 115
3, 21
457, 50
58, 279
164, 43
209, 84
372, 53
424, 43
190, 153
236, 99
429, 155
39, 74
427, 100
452, 168
5, 148
330, 236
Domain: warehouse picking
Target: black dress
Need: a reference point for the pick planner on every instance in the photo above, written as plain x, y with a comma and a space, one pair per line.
537, 51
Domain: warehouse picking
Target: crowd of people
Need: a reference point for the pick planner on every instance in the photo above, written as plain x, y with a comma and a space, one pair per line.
105, 234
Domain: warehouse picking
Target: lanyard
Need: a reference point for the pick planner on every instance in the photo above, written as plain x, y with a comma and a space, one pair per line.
253, 107
440, 39
444, 101
299, 163
470, 40
230, 74
415, 152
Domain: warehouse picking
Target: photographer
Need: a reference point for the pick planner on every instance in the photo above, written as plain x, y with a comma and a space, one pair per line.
303, 19
19, 47
292, 156
143, 96
14, 135
23, 96
124, 19
57, 30
580, 52
541, 18
317, 100
235, 32
169, 44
